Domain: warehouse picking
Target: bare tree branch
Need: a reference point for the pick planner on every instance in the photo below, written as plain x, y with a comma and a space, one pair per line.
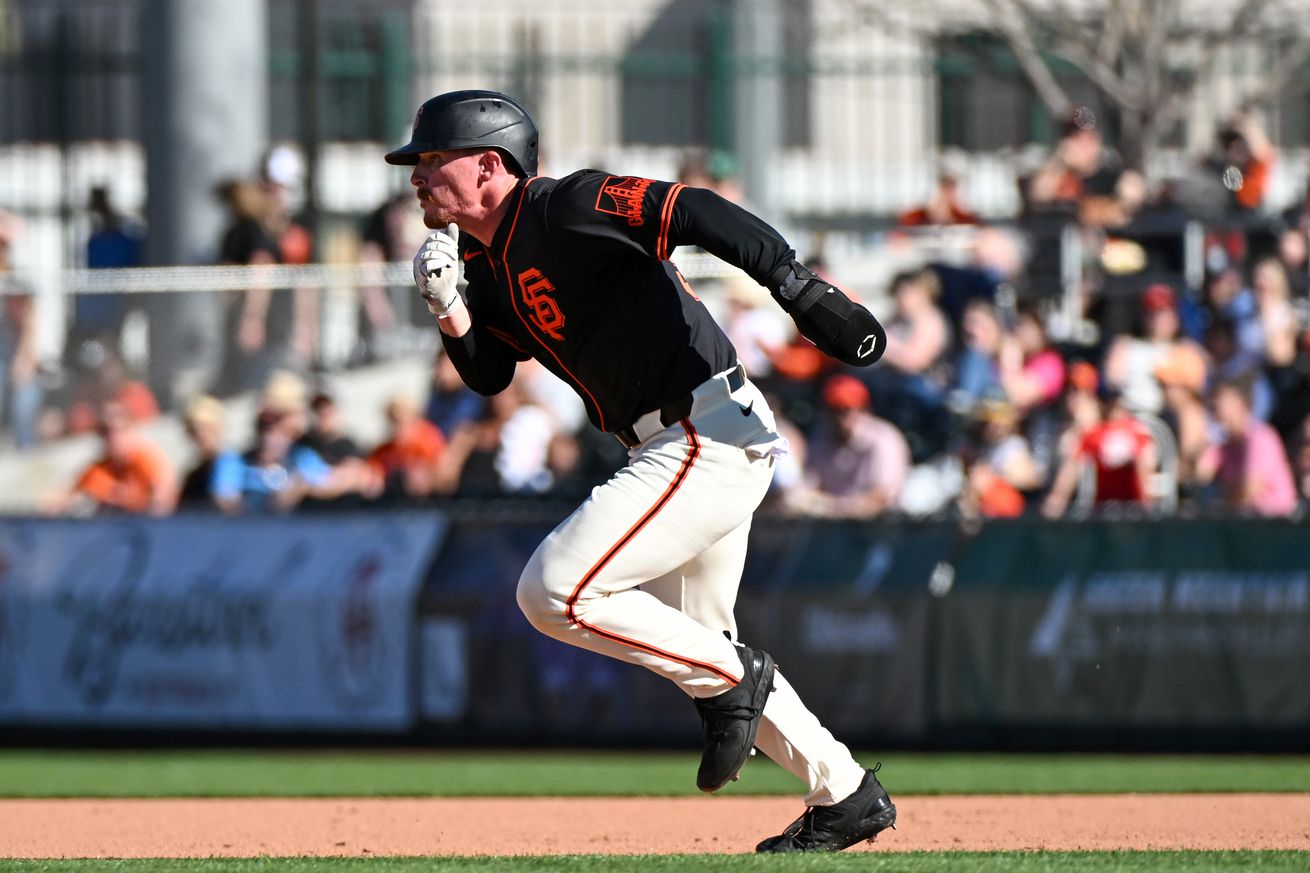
1056, 13
1173, 101
1111, 41
1289, 64
879, 16
1147, 57
1156, 27
1067, 36
1061, 19
1016, 32
1242, 23
1103, 76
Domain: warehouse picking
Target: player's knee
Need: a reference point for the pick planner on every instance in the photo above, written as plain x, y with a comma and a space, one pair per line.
543, 607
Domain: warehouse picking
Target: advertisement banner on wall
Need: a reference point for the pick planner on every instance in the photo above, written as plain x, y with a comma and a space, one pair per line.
842, 606
212, 623
1173, 624
837, 605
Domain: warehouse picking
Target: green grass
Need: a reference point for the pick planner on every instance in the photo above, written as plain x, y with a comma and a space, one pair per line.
915, 862
280, 773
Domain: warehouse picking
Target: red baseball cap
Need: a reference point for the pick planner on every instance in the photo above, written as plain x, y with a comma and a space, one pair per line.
1082, 376
845, 392
1158, 297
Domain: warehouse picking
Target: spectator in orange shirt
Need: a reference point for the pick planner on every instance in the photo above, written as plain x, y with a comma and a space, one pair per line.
1244, 148
986, 493
133, 476
103, 378
408, 461
1002, 445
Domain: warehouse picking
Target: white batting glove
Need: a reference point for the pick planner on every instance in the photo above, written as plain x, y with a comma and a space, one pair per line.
436, 270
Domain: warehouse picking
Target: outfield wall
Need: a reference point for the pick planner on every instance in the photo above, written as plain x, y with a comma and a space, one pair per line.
1174, 634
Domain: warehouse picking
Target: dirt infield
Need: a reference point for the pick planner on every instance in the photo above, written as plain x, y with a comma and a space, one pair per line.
537, 826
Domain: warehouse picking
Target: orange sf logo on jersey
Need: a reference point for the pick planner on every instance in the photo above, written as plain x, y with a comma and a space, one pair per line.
545, 312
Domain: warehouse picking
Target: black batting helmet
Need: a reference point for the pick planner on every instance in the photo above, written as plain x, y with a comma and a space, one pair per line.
473, 120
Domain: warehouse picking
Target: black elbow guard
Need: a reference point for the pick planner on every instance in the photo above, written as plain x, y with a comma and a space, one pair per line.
837, 325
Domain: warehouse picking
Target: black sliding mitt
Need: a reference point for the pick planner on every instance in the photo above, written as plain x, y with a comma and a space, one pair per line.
837, 325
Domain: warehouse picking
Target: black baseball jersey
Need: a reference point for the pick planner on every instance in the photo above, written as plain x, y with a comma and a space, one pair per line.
578, 276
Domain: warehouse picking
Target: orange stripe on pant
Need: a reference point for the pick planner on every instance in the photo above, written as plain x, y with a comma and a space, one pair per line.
627, 537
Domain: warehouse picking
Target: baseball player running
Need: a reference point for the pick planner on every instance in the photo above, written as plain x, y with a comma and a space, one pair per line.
575, 272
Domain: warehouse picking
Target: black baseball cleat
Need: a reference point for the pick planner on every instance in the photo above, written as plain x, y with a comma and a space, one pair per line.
732, 719
862, 816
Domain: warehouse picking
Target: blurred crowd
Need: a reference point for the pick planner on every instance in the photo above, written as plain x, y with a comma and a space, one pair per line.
1130, 391
1005, 391
528, 441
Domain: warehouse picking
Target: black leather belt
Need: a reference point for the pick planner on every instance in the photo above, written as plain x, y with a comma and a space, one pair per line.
679, 409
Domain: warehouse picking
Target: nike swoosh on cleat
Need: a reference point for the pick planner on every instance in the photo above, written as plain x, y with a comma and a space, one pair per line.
746, 410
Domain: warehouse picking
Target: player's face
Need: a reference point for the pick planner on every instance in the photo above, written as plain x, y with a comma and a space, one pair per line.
447, 185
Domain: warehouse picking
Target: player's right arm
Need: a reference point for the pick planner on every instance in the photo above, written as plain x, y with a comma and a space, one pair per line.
485, 362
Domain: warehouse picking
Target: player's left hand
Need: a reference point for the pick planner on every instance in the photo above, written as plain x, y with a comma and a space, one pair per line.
436, 270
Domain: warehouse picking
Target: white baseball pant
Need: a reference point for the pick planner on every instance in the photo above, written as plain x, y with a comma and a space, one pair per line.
646, 570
